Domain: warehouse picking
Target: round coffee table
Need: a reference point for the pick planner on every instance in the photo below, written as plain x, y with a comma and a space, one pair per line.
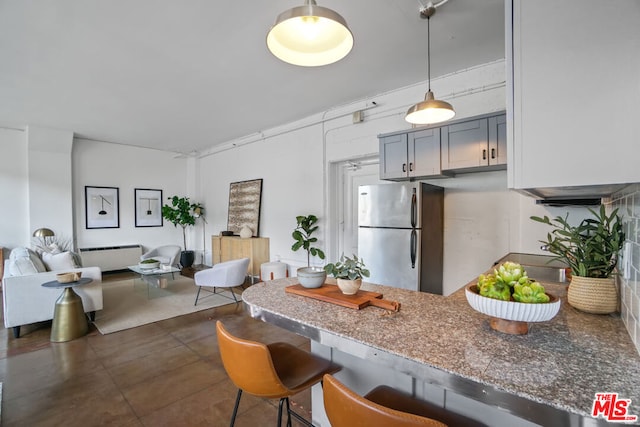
69, 320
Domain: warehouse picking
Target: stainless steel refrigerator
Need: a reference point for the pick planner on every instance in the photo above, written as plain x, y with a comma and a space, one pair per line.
400, 234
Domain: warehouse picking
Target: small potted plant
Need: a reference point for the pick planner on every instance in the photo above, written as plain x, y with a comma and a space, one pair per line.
309, 277
348, 273
181, 212
591, 250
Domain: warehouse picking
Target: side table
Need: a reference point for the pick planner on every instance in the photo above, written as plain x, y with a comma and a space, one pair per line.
69, 320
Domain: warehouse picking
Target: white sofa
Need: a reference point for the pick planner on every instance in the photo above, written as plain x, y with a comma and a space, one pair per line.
26, 301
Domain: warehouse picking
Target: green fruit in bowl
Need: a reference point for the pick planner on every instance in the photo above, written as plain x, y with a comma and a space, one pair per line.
149, 261
509, 282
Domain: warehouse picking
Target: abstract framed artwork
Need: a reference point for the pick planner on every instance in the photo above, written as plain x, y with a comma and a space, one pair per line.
102, 207
148, 205
244, 206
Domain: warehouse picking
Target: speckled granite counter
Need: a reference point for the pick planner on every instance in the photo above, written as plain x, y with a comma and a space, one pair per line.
552, 372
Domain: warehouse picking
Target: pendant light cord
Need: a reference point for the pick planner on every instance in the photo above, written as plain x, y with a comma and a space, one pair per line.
429, 53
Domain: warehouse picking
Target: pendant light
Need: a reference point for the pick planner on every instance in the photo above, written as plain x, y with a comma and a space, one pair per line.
310, 36
430, 110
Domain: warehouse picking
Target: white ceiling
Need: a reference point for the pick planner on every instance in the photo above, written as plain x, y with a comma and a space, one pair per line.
187, 75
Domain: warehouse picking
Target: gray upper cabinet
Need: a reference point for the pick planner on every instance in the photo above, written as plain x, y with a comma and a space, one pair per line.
478, 143
410, 155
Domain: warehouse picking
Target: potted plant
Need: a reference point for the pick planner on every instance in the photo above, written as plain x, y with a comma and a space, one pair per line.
181, 212
591, 250
310, 277
348, 273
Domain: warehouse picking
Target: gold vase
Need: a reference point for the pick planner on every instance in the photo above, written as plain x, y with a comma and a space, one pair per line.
591, 295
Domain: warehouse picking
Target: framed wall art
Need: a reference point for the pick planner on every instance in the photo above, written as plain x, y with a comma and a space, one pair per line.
244, 206
102, 207
148, 204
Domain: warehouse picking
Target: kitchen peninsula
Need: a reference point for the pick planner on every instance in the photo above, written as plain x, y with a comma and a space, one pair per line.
440, 349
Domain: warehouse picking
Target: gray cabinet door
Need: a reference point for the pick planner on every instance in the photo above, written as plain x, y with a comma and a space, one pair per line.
393, 157
498, 140
424, 153
465, 145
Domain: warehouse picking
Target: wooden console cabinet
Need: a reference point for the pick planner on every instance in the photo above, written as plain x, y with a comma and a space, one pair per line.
226, 248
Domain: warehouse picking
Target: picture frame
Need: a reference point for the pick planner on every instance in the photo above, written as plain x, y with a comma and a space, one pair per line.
245, 198
102, 207
148, 207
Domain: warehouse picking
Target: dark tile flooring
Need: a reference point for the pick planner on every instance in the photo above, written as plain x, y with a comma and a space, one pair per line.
167, 373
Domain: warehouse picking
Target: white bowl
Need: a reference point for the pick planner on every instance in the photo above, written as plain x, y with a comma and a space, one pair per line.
512, 310
311, 277
149, 265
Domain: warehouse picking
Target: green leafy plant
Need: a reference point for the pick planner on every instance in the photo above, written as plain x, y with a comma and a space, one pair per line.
180, 212
347, 268
149, 261
302, 235
591, 248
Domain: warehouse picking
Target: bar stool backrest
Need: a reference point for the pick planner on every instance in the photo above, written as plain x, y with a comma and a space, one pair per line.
345, 408
249, 365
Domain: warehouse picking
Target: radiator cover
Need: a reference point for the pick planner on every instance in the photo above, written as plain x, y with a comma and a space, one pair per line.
111, 258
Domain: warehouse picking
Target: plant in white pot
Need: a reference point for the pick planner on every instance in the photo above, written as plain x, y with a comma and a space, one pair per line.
591, 250
348, 273
309, 277
181, 212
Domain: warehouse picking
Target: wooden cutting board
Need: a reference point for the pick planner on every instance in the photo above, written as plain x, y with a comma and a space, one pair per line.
333, 294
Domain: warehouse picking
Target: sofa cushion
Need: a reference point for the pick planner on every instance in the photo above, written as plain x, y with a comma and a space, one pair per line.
23, 261
61, 261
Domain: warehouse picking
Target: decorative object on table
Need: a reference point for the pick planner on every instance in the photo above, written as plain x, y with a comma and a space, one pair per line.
512, 299
591, 250
180, 212
244, 206
333, 294
149, 264
246, 232
348, 272
148, 207
102, 207
310, 277
226, 233
69, 277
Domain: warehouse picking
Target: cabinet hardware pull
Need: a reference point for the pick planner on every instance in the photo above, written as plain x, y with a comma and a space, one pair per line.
493, 153
484, 154
404, 167
411, 167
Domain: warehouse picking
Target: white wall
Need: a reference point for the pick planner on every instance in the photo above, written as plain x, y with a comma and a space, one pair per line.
112, 165
14, 190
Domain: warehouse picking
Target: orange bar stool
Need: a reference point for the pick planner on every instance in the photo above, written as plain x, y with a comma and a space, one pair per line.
274, 371
384, 406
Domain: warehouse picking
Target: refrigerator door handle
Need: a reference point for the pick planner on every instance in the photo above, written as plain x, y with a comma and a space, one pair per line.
414, 246
414, 209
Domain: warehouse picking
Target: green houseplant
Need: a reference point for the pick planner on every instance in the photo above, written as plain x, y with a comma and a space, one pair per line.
181, 213
348, 272
310, 277
591, 250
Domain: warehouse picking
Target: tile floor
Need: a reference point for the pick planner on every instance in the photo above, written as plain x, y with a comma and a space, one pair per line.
167, 373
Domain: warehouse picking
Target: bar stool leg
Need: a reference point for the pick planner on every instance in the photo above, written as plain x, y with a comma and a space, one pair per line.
235, 408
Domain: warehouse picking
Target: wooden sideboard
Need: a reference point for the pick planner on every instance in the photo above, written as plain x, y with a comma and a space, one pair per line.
226, 248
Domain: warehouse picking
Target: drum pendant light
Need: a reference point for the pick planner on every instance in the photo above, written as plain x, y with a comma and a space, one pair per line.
430, 110
310, 36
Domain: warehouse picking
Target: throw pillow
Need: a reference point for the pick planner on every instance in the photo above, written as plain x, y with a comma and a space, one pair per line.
61, 261
23, 261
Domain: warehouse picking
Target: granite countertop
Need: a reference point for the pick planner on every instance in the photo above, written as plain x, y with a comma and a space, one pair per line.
561, 363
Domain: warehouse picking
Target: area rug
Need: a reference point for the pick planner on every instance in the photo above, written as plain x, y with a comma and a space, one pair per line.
131, 303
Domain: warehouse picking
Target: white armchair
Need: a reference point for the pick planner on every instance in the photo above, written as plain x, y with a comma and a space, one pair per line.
223, 275
168, 254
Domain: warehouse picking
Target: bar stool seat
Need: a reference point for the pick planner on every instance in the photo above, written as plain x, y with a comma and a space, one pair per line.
384, 406
275, 371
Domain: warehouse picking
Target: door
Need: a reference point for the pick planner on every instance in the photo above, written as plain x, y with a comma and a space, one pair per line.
393, 157
389, 205
498, 140
424, 152
465, 145
386, 252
